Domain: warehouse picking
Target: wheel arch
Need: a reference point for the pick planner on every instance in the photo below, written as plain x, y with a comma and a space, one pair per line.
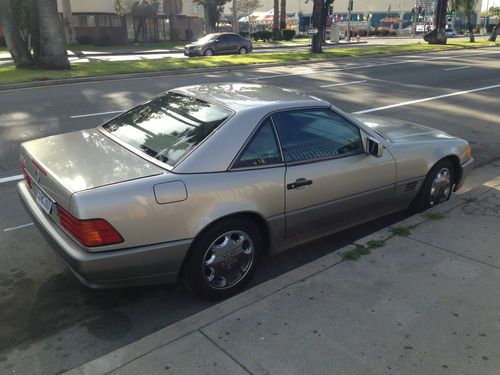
253, 216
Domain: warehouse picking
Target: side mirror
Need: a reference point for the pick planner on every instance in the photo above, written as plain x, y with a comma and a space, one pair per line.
374, 148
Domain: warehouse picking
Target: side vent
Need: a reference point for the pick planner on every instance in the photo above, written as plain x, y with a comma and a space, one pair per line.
411, 186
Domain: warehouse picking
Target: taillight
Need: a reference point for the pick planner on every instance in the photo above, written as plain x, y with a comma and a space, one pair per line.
25, 173
92, 232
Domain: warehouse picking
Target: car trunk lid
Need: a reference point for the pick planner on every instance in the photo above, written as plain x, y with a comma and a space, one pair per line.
64, 164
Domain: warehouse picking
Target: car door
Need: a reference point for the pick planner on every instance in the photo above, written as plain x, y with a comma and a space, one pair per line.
221, 44
330, 180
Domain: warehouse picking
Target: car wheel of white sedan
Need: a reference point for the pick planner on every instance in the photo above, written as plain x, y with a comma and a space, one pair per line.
437, 187
224, 258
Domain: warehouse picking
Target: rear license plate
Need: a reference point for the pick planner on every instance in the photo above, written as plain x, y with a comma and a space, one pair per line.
44, 202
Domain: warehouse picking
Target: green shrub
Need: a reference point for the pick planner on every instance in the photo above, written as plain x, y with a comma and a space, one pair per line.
244, 34
287, 34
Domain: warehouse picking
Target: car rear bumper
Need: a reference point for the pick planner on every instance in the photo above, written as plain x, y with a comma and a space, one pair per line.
151, 264
465, 170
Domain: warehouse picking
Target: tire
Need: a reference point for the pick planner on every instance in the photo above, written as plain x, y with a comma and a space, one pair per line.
224, 258
208, 52
243, 51
437, 186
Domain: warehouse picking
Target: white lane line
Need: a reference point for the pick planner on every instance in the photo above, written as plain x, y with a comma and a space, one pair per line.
11, 178
427, 99
19, 227
320, 71
343, 84
97, 114
458, 68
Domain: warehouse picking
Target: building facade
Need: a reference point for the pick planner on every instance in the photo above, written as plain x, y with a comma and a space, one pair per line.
97, 22
378, 12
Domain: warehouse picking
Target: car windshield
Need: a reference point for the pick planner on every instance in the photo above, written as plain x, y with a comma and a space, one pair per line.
168, 126
208, 38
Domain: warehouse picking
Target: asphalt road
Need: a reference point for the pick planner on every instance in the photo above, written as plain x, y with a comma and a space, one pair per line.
49, 322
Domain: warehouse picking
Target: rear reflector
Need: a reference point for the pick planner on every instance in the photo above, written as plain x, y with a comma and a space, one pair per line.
26, 176
92, 232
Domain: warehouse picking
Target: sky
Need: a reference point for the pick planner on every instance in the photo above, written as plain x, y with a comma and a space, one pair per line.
492, 3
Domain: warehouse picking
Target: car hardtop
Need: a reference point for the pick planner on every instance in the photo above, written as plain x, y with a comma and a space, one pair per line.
242, 97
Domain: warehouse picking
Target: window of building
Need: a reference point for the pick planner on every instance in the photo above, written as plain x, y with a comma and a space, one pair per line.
116, 21
76, 21
103, 20
91, 21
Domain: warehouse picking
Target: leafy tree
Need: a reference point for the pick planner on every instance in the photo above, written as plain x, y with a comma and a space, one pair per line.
248, 6
41, 19
276, 20
319, 16
212, 9
142, 10
438, 35
172, 8
467, 6
16, 44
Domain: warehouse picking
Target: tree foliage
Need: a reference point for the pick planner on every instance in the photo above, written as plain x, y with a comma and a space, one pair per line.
248, 6
142, 10
213, 10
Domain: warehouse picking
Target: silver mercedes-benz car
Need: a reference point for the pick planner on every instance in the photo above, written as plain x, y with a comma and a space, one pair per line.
199, 181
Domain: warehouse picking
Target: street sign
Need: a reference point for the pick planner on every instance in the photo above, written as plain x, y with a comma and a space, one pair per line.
313, 31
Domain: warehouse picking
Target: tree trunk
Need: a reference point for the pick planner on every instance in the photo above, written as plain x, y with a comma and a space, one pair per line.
15, 42
493, 37
283, 15
69, 29
236, 28
438, 35
35, 32
53, 53
468, 15
317, 39
276, 20
172, 21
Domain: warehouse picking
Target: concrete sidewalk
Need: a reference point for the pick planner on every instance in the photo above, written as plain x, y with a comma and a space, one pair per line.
424, 301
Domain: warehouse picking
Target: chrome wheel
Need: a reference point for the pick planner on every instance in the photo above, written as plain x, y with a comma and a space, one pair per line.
228, 259
209, 52
441, 186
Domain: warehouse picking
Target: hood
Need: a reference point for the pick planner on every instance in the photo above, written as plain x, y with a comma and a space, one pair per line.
398, 131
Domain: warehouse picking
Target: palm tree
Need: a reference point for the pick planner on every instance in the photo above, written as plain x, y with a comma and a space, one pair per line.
438, 35
467, 6
283, 15
276, 20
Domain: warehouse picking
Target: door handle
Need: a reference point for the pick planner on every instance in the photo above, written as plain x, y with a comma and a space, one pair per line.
298, 183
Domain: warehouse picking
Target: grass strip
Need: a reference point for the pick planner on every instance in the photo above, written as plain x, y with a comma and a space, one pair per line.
95, 68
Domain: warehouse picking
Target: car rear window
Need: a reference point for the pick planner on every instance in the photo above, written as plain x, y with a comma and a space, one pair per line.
168, 126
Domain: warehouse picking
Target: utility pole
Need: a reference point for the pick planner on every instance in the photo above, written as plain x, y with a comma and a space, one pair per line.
349, 10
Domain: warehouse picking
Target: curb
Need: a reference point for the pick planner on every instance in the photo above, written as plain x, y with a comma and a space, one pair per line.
228, 68
75, 53
121, 357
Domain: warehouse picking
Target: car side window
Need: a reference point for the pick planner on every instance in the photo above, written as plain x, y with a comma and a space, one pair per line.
263, 148
315, 134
